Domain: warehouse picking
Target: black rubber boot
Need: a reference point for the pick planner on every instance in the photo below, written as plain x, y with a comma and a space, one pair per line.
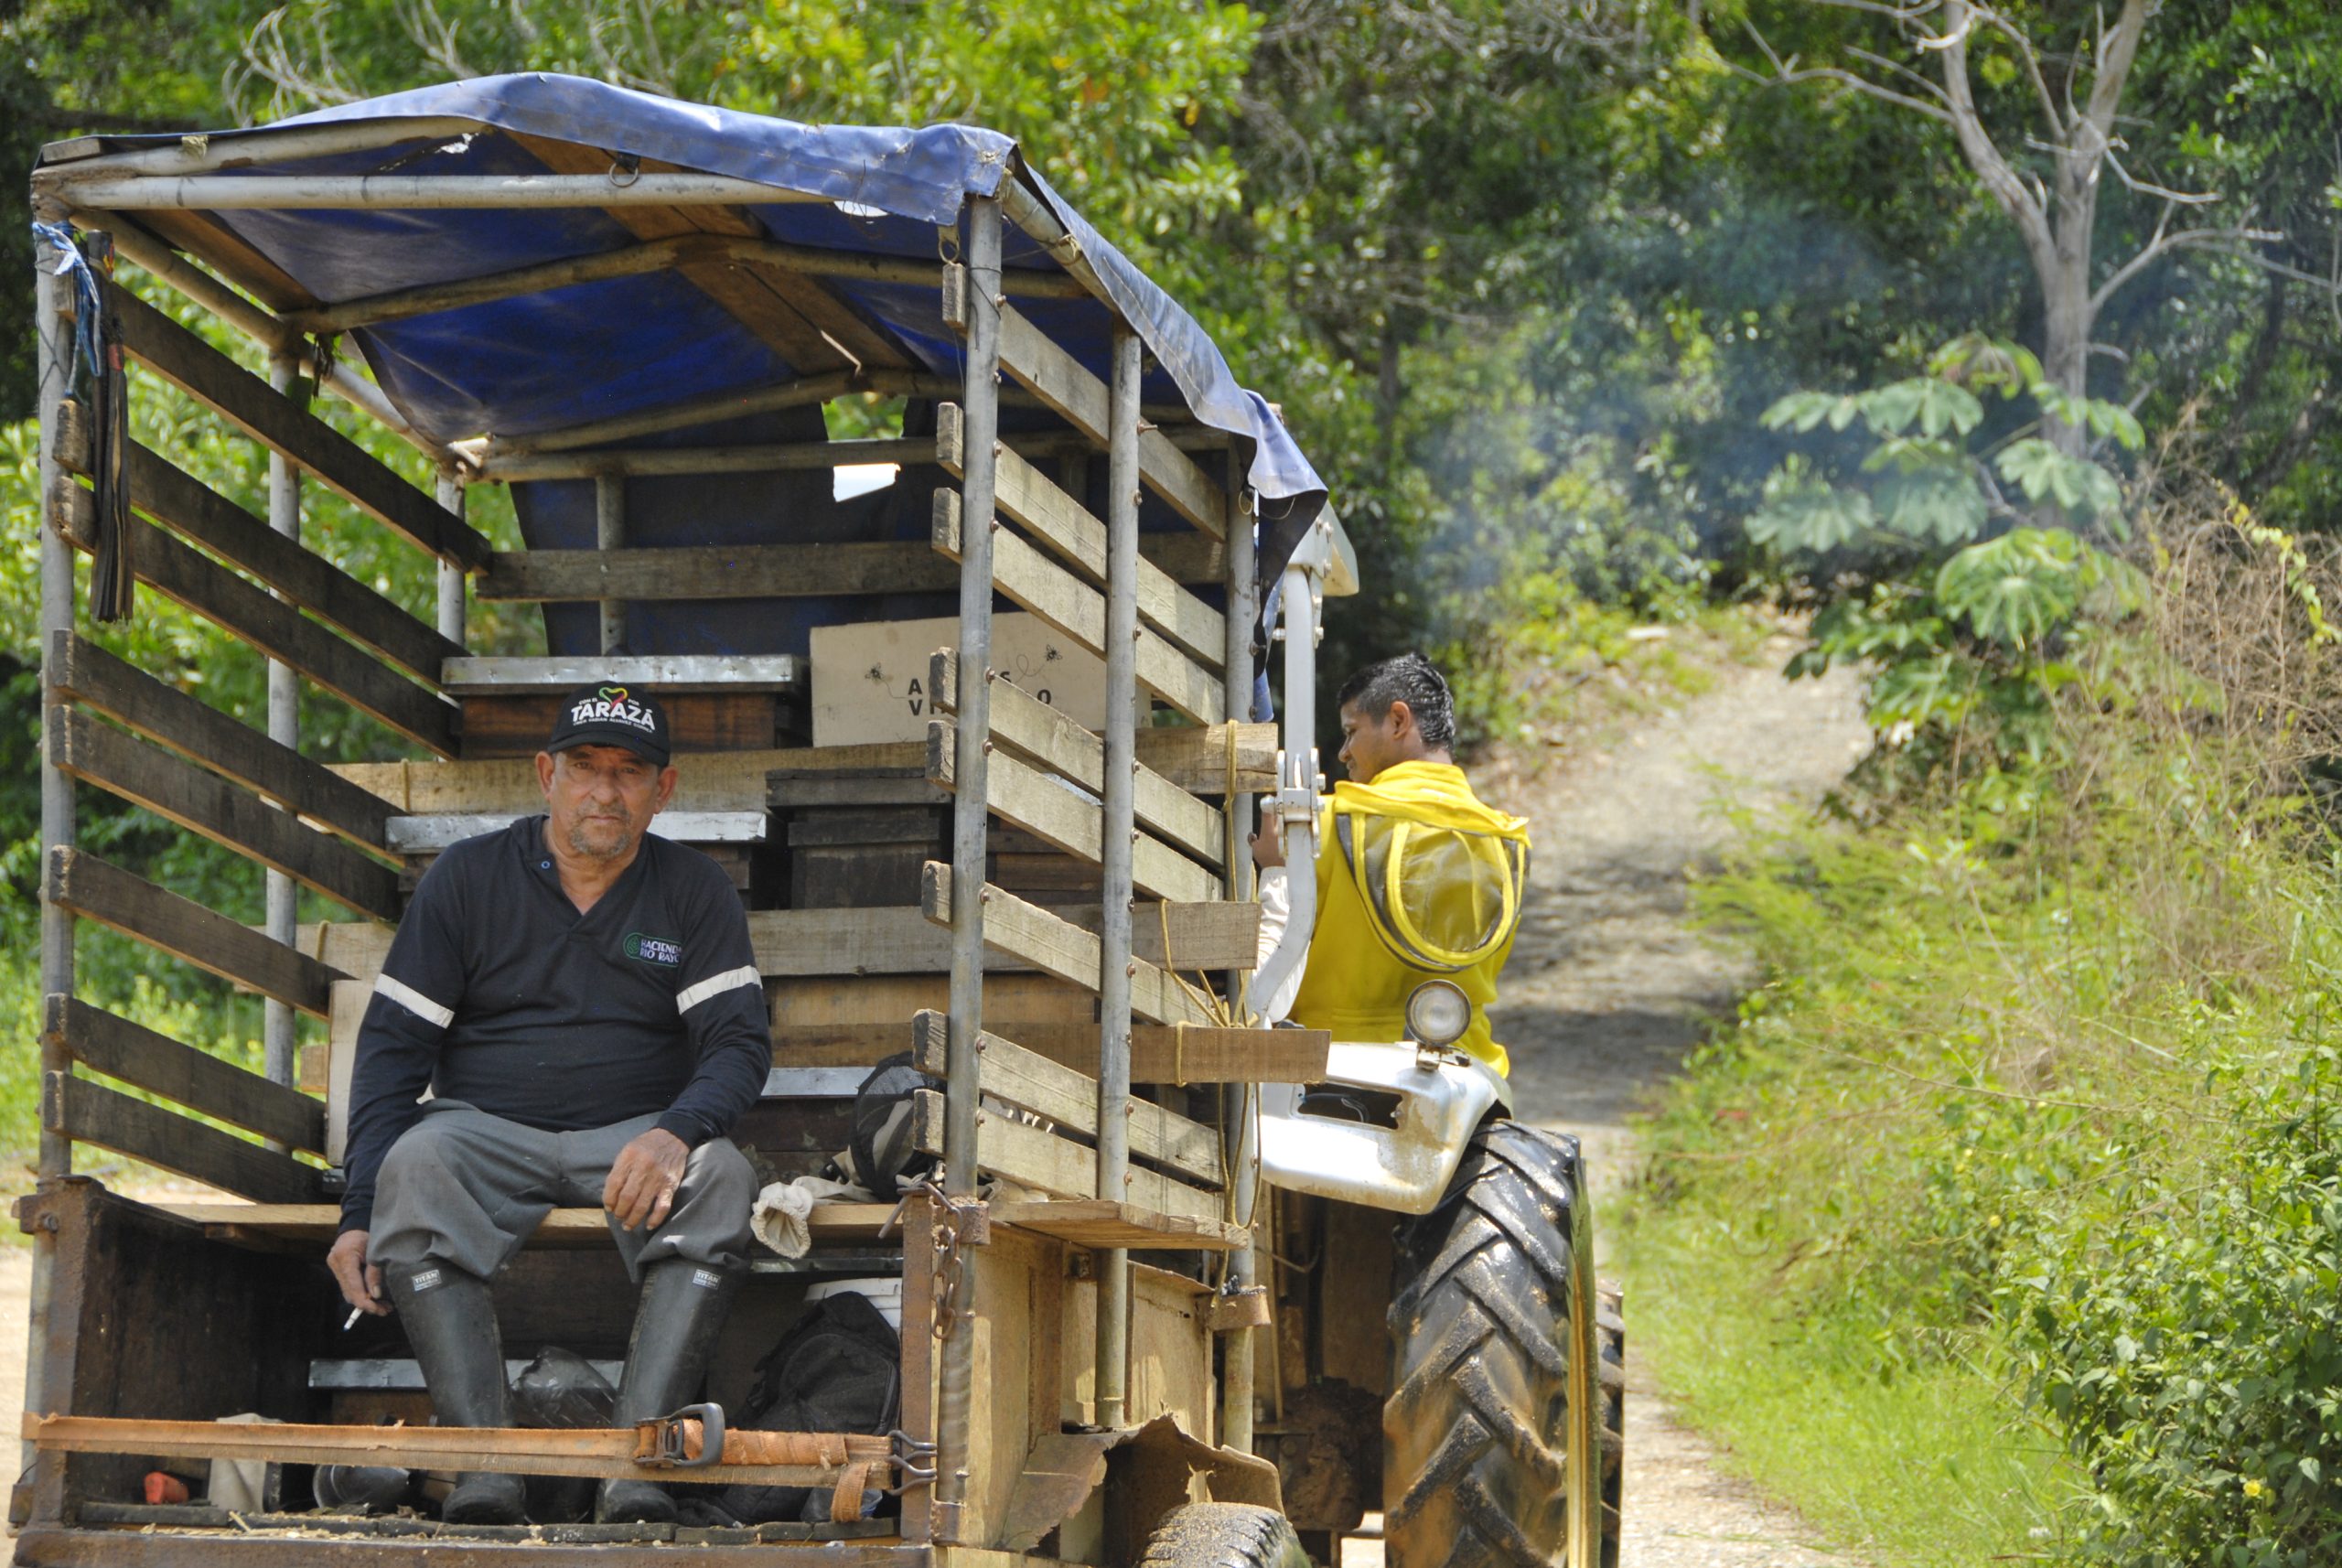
451, 1322
683, 1309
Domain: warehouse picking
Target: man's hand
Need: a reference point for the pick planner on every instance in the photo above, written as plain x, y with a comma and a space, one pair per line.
644, 1180
360, 1281
1268, 844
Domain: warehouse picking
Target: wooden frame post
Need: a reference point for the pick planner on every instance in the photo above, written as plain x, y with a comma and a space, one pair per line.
982, 403
1118, 832
278, 1050
609, 534
55, 331
54, 334
1242, 1129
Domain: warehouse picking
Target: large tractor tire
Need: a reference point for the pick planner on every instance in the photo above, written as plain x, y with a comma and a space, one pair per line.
1502, 1446
1224, 1535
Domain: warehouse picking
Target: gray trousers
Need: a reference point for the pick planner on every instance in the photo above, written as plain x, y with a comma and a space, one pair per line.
466, 1188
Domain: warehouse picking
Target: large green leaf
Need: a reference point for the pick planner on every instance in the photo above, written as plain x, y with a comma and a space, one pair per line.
1805, 514
1933, 404
1939, 504
2075, 484
2020, 587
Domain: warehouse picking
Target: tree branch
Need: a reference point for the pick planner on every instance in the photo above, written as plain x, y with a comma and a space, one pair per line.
1788, 73
2023, 43
2148, 188
2224, 240
1921, 82
2029, 212
2116, 52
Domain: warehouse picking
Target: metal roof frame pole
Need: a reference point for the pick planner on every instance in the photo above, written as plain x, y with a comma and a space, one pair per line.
98, 191
55, 362
609, 534
196, 154
1114, 867
955, 1392
1030, 213
450, 493
1242, 1130
278, 1027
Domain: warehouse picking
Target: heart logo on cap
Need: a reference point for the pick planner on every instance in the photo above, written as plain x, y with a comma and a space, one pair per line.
614, 694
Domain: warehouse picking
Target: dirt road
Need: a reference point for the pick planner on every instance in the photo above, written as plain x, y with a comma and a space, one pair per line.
1604, 994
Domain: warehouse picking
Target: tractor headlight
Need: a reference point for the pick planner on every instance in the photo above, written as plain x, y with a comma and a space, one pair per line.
1438, 1012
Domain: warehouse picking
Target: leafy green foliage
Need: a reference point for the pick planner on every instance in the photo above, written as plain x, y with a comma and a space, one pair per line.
2190, 1354
1960, 625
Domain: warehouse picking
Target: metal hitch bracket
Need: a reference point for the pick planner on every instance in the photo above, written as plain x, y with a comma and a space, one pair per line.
663, 1442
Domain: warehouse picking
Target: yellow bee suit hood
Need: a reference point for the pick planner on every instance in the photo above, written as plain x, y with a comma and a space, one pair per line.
1403, 864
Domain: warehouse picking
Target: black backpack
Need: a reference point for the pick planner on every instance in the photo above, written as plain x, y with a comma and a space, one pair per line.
838, 1369
884, 1140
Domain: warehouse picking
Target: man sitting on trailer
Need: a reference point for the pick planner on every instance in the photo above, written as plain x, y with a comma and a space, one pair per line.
1416, 879
581, 999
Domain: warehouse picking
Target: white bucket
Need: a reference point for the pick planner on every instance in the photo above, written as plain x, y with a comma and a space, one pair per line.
885, 1291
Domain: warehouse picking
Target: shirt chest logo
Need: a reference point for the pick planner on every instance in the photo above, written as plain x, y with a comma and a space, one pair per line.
653, 950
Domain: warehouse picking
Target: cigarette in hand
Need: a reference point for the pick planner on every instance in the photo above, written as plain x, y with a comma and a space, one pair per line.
351, 1321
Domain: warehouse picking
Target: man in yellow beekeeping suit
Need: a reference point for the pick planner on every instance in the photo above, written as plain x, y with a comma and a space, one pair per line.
1416, 879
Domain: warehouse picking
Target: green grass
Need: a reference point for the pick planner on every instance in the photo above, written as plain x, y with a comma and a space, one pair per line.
1986, 1230
1920, 1466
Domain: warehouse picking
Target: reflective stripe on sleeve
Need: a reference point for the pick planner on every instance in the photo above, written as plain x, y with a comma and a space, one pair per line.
716, 985
414, 1001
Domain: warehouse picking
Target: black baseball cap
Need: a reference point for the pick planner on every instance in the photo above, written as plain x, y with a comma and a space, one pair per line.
612, 715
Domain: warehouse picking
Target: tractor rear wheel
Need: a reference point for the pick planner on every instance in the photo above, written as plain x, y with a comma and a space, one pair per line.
1500, 1442
1224, 1535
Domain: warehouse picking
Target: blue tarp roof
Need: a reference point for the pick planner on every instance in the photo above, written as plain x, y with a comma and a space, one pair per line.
596, 350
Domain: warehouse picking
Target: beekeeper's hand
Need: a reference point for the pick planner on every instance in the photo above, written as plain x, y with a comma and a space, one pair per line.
644, 1180
1268, 844
360, 1281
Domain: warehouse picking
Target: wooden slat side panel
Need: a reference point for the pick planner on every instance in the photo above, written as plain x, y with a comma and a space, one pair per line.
178, 356
1066, 602
1094, 1222
1033, 1157
186, 506
91, 1113
715, 572
205, 803
864, 944
1067, 1097
1022, 720
811, 1460
1191, 559
1194, 1054
1060, 947
156, 1063
89, 675
1018, 793
1193, 758
271, 625
1199, 758
840, 1223
1066, 527
98, 890
1061, 381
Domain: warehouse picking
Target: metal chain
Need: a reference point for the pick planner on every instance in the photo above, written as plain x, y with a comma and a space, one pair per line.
951, 1220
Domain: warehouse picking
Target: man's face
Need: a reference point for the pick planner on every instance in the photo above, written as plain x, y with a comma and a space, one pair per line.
1371, 745
600, 798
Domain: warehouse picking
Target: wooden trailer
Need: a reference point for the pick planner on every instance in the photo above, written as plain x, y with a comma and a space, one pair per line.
632, 312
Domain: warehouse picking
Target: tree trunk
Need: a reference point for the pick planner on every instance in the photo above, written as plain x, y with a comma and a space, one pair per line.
2068, 317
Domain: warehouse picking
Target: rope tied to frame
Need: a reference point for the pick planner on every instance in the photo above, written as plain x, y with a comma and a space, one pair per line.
99, 368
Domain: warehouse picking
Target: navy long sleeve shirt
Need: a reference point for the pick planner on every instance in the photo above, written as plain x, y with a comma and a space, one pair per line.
497, 992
